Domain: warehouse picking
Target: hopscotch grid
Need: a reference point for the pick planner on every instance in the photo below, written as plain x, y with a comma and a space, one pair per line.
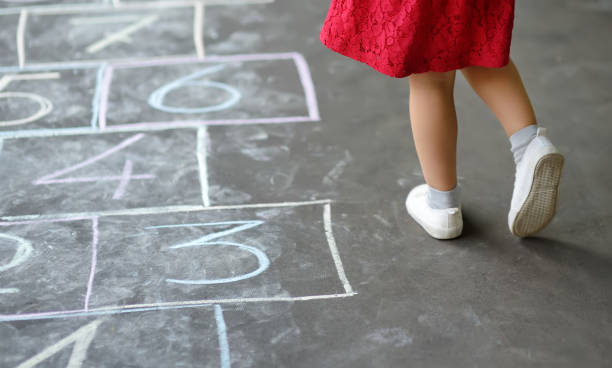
94, 217
100, 100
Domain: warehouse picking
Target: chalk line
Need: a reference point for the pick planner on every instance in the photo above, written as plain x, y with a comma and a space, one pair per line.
333, 249
163, 306
95, 102
123, 34
77, 21
198, 23
148, 127
125, 179
28, 222
309, 91
94, 260
202, 146
9, 291
222, 336
50, 66
81, 338
106, 81
157, 210
23, 16
120, 6
8, 78
91, 160
170, 60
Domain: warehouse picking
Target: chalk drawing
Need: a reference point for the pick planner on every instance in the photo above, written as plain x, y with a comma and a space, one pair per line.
222, 336
156, 100
135, 308
122, 35
333, 249
202, 146
23, 16
119, 6
204, 241
198, 28
94, 258
45, 106
23, 250
14, 220
123, 180
81, 338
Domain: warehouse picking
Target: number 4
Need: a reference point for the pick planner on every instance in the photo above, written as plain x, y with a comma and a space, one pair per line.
123, 179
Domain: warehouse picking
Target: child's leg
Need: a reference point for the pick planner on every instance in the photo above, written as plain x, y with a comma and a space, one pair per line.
434, 127
503, 91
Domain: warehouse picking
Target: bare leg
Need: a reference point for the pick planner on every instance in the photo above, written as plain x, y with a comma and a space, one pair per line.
434, 126
503, 91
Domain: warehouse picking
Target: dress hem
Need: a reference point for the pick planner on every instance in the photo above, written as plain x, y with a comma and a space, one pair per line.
405, 74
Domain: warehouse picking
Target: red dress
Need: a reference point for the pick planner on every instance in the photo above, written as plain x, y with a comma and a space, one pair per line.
401, 37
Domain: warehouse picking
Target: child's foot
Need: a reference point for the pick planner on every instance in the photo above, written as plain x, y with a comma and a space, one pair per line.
536, 186
444, 223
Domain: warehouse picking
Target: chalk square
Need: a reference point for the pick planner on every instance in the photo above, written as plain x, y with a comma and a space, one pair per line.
216, 90
99, 172
45, 265
108, 34
216, 256
48, 98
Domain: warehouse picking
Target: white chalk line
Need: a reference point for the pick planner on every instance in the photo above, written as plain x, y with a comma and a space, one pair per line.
159, 210
54, 9
7, 79
77, 21
23, 16
198, 32
167, 306
81, 338
202, 147
222, 337
334, 250
136, 127
121, 35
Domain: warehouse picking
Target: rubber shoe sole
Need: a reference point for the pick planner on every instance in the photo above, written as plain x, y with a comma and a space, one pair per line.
540, 205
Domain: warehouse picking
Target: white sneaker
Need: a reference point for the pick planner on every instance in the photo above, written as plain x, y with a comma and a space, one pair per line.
536, 186
439, 223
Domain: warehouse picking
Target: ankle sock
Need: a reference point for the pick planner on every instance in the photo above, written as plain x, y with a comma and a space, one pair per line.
520, 139
441, 199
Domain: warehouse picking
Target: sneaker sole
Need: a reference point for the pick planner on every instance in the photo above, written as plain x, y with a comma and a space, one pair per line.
435, 232
541, 203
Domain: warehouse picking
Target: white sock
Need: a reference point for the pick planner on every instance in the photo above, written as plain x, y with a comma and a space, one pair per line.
520, 139
441, 199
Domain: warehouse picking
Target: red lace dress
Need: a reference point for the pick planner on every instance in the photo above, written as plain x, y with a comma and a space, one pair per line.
401, 37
